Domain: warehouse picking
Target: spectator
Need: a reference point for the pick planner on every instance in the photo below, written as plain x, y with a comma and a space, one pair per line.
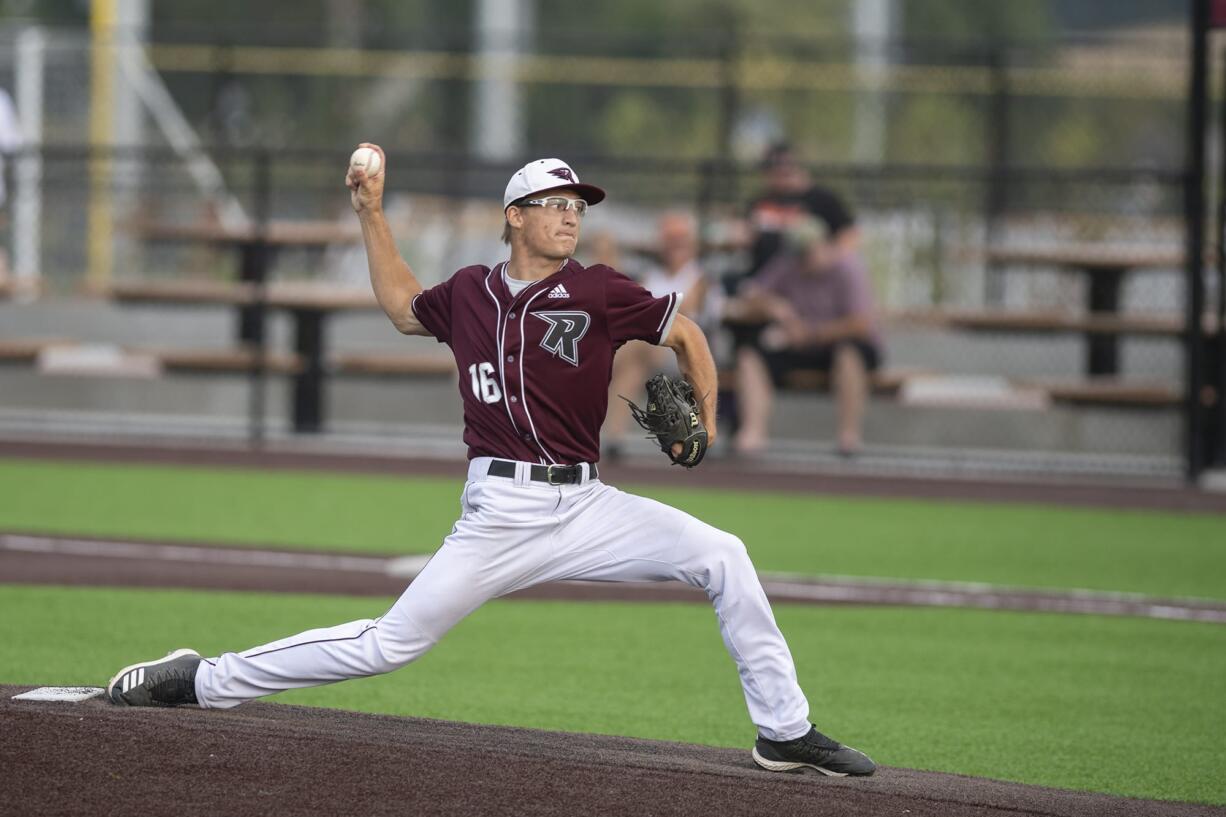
678, 271
817, 304
790, 197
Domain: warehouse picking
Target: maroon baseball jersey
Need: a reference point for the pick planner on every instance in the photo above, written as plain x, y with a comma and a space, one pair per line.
535, 367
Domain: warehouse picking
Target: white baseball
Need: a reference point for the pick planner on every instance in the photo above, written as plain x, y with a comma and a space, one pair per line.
367, 159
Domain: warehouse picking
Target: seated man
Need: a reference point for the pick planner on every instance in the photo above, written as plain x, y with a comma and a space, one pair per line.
818, 306
678, 271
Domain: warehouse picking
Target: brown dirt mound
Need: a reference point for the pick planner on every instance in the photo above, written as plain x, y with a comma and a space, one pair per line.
97, 759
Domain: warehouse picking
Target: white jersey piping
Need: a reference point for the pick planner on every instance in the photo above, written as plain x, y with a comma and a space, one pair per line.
670, 315
523, 394
499, 331
413, 309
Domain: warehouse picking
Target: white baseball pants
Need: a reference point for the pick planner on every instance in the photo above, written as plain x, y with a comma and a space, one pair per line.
515, 533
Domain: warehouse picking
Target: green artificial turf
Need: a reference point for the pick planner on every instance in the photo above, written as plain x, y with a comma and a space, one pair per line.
1126, 706
1161, 554
304, 509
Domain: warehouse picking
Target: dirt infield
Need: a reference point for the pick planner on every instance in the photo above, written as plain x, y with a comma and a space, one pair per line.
93, 758
83, 561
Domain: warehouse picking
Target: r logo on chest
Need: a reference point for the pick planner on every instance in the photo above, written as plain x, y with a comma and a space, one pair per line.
561, 339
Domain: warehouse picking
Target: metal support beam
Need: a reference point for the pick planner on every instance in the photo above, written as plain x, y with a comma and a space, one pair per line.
1194, 215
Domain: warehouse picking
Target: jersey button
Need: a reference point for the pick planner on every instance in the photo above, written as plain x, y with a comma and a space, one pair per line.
514, 399
526, 437
511, 316
510, 358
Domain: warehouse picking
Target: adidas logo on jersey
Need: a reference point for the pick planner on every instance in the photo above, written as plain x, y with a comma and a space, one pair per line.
558, 292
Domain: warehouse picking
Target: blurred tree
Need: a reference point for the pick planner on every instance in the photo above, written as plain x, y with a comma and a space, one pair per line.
938, 129
296, 110
649, 116
1092, 16
62, 12
978, 20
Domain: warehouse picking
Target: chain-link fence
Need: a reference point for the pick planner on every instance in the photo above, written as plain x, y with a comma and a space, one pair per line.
1019, 203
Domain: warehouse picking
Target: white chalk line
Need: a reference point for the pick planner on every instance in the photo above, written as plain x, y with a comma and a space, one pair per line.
779, 587
192, 554
1049, 601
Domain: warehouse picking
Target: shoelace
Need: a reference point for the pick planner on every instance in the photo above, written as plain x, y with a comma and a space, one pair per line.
173, 686
816, 745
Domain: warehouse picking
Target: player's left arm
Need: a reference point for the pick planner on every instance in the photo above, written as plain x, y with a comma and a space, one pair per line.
694, 359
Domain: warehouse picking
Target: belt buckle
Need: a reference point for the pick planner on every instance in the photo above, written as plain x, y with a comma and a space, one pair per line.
549, 475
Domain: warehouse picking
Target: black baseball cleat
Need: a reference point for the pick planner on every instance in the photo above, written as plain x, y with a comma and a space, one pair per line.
169, 681
815, 751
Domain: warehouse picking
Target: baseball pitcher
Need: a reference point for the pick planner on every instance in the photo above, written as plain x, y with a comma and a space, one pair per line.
534, 339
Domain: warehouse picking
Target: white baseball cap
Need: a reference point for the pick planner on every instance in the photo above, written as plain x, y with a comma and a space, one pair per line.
548, 174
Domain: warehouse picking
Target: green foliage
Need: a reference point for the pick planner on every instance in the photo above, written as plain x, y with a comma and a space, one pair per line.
1068, 701
939, 130
623, 115
820, 125
978, 20
1075, 132
690, 23
656, 124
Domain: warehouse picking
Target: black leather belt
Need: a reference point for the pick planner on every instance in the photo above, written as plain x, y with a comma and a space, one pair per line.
551, 474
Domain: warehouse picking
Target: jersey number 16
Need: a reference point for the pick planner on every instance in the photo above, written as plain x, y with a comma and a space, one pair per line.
485, 387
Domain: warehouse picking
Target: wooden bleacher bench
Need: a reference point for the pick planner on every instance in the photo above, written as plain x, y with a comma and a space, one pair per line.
26, 350
391, 364
1109, 391
239, 360
11, 287
1046, 322
220, 361
377, 364
181, 293
883, 383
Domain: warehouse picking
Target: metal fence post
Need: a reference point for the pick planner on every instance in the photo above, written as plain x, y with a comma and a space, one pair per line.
1217, 356
255, 272
730, 101
1194, 214
997, 157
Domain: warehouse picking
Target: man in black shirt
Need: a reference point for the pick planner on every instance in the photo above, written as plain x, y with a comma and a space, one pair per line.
789, 201
789, 197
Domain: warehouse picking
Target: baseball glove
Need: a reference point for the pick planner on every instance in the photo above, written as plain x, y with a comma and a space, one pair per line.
671, 417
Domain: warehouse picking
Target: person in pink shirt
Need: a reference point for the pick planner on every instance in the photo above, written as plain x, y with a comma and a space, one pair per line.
818, 304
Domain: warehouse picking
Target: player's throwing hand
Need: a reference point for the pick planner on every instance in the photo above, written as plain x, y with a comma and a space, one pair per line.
366, 192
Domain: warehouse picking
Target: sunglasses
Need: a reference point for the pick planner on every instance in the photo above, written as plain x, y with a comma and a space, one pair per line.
559, 204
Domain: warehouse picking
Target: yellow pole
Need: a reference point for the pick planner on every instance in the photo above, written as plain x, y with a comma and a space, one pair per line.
102, 52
